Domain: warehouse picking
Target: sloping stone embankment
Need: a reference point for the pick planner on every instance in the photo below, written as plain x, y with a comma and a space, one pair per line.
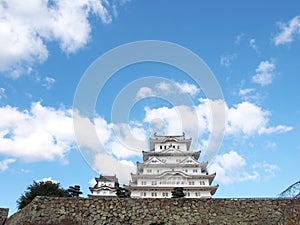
122, 211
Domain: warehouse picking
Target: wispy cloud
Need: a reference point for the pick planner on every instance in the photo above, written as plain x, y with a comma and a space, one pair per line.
5, 163
252, 43
226, 60
2, 93
48, 83
238, 38
288, 31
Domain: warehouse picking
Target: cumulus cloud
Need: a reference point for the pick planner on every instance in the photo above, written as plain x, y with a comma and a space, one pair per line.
144, 92
288, 31
249, 119
108, 165
175, 120
5, 163
165, 88
47, 179
45, 134
264, 73
231, 167
42, 133
187, 88
27, 26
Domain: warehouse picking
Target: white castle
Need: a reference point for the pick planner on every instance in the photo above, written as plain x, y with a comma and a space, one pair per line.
170, 163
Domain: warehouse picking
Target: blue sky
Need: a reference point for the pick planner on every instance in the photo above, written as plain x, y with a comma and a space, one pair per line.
252, 48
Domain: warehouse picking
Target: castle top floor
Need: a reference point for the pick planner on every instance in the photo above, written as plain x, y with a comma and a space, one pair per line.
180, 142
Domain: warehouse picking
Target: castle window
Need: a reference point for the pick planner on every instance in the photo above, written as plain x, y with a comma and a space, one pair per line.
191, 182
195, 171
165, 194
160, 147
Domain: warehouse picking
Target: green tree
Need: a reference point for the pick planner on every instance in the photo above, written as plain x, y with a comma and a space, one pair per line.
122, 192
74, 191
177, 192
42, 188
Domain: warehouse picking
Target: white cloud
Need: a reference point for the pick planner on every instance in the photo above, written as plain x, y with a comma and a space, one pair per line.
264, 73
92, 182
288, 31
246, 91
129, 141
275, 129
268, 169
175, 120
48, 83
238, 38
230, 168
5, 163
42, 133
249, 94
188, 88
270, 145
2, 93
249, 119
252, 44
175, 87
226, 60
27, 26
47, 179
144, 92
107, 165
164, 86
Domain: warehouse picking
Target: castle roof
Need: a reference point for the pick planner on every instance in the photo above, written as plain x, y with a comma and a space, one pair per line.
107, 178
175, 138
147, 154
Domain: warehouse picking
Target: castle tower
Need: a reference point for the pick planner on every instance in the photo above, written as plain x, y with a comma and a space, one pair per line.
170, 163
105, 186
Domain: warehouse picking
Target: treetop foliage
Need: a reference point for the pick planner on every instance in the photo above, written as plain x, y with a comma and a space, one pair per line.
42, 188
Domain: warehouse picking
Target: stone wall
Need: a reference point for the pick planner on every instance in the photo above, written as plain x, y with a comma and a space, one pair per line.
3, 215
46, 210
